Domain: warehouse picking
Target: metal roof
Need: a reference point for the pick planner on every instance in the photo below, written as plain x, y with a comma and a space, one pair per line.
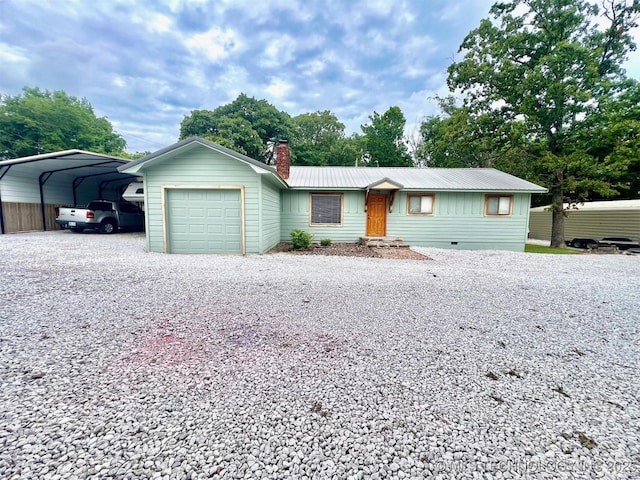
71, 164
432, 179
600, 205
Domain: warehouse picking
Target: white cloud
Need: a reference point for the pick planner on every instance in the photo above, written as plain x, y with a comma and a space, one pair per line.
13, 54
158, 23
279, 50
119, 82
215, 44
278, 88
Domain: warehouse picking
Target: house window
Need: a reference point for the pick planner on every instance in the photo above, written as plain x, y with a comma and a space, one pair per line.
326, 208
498, 205
420, 204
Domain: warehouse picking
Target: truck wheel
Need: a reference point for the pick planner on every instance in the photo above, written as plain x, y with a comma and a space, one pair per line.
108, 226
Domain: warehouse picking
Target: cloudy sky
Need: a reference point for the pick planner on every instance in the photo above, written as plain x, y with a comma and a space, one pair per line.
145, 65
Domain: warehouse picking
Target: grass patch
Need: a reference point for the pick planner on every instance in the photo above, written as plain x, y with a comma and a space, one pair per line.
528, 248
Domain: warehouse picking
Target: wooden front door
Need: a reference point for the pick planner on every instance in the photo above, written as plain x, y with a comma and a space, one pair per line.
377, 216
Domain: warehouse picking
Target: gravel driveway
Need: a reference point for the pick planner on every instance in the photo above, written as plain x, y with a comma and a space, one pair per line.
118, 363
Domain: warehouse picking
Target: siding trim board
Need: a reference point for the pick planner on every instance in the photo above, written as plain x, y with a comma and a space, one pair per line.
164, 198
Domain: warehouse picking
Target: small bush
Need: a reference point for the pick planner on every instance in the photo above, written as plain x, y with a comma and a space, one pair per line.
300, 239
326, 242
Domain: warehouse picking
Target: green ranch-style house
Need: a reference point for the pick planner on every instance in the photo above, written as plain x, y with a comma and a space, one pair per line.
201, 197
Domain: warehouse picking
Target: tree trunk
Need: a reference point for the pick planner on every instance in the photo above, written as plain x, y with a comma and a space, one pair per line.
557, 223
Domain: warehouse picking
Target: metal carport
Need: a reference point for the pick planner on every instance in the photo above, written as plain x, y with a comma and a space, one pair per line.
31, 187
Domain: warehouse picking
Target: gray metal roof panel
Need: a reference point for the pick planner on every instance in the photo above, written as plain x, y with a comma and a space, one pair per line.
472, 179
67, 163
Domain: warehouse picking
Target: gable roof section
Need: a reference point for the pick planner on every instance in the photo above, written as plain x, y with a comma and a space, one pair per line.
431, 179
386, 184
185, 145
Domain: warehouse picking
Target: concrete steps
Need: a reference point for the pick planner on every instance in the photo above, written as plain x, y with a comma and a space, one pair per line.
383, 242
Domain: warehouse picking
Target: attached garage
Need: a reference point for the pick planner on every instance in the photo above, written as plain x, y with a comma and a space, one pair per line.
201, 197
204, 220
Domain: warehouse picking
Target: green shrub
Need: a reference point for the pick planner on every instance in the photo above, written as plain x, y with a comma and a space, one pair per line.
325, 242
300, 239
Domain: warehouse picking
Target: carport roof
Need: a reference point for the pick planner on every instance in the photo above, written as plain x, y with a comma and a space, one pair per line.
70, 163
74, 166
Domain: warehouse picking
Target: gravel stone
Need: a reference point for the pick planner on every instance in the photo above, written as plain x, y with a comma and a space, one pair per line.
119, 363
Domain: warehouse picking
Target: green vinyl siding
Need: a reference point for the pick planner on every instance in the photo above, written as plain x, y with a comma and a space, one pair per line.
270, 229
200, 167
295, 214
459, 222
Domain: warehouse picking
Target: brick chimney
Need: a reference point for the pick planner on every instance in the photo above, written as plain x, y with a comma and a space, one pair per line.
283, 159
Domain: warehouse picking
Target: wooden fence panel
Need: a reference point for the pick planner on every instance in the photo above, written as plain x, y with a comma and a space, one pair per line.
26, 217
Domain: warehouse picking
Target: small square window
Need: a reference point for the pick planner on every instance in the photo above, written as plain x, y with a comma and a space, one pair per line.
498, 205
420, 204
326, 209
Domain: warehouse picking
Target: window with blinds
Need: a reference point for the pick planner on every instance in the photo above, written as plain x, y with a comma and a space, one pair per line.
420, 204
498, 205
326, 209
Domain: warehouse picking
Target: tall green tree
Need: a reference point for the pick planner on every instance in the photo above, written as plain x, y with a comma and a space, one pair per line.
40, 121
549, 64
319, 139
612, 135
246, 125
384, 139
459, 138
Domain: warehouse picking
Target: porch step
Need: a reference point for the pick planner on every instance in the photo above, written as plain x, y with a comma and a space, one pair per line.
383, 242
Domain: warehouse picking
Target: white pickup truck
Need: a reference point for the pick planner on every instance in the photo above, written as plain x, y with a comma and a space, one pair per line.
101, 215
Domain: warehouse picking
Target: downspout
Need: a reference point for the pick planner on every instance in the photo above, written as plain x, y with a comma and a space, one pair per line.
260, 206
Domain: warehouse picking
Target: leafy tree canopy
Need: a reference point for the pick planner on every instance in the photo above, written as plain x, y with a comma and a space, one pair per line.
246, 125
384, 139
39, 121
546, 69
319, 139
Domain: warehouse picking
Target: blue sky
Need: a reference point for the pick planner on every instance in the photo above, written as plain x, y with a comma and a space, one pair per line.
145, 65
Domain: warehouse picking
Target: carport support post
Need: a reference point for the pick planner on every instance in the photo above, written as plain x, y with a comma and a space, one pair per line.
2, 211
1, 217
41, 183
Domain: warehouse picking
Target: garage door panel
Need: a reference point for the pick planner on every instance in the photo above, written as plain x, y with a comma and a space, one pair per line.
232, 230
204, 221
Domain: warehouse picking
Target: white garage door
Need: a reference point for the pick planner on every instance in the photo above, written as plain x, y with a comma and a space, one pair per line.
204, 221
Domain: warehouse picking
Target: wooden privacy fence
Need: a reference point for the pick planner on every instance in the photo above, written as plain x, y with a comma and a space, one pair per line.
25, 217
